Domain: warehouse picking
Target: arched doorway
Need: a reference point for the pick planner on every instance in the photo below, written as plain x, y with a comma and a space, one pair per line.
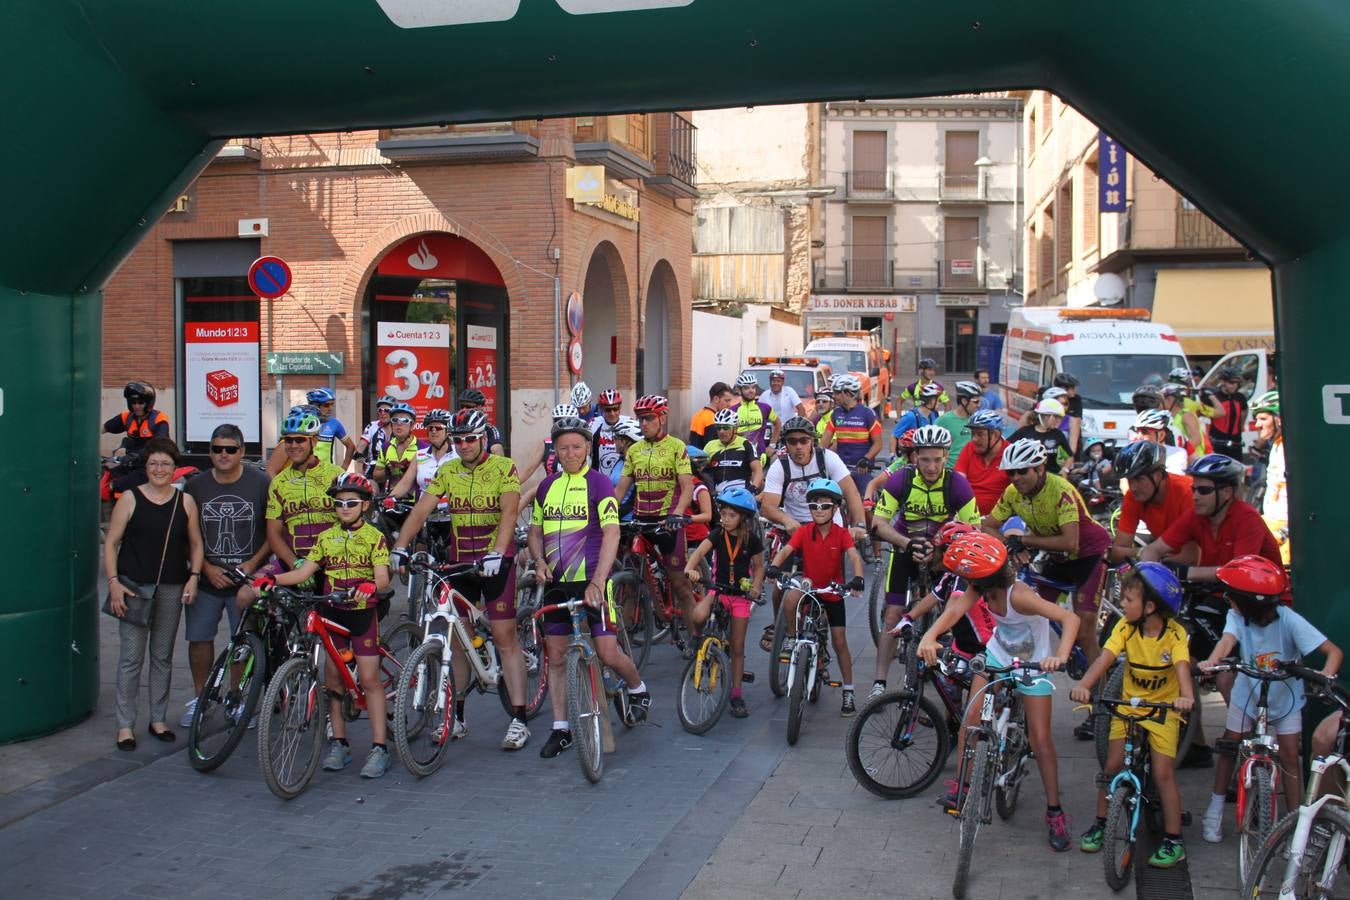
605, 291
434, 322
663, 295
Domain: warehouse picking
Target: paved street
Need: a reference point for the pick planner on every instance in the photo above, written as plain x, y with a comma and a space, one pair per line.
733, 814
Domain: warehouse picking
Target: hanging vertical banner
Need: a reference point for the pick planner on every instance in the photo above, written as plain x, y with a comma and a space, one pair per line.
413, 360
480, 364
1110, 175
220, 378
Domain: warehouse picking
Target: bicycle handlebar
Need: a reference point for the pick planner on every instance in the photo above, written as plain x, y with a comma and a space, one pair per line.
1328, 687
1237, 665
731, 589
979, 665
422, 561
1158, 711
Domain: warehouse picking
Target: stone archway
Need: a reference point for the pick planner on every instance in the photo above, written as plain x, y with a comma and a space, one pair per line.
660, 318
607, 337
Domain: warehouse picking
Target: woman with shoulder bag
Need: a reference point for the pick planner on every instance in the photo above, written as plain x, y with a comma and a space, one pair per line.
153, 557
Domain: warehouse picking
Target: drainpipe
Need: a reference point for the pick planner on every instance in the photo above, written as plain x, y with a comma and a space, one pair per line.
557, 335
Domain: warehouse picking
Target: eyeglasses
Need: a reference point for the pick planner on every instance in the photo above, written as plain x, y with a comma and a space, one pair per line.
648, 418
435, 428
465, 438
1204, 490
228, 450
402, 420
160, 464
798, 442
1018, 473
347, 504
818, 507
615, 408
295, 439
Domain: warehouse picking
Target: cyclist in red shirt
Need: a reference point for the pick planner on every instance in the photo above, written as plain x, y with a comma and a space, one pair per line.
979, 458
1155, 497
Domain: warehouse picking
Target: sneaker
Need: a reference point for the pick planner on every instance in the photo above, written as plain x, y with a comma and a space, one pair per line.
460, 731
516, 735
1086, 730
558, 741
638, 704
738, 708
1091, 841
377, 763
1168, 854
189, 710
952, 796
878, 688
338, 758
1211, 827
847, 708
1058, 827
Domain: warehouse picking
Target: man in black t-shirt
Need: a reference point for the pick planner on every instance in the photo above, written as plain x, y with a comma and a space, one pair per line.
1230, 413
1047, 415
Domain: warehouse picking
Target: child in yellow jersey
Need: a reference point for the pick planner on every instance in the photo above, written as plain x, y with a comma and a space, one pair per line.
1158, 670
353, 556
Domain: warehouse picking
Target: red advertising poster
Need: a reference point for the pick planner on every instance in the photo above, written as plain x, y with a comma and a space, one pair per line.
480, 364
220, 378
414, 365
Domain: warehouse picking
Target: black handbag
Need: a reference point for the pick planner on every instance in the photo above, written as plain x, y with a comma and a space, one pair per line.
141, 601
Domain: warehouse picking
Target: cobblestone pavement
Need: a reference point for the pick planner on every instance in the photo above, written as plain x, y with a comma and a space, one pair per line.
735, 813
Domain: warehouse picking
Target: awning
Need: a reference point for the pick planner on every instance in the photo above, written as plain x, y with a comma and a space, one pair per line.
1216, 311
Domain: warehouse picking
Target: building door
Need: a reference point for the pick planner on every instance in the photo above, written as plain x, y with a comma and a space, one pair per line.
868, 266
960, 252
961, 343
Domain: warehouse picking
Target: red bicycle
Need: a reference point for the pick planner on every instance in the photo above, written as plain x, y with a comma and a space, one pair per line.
292, 732
647, 605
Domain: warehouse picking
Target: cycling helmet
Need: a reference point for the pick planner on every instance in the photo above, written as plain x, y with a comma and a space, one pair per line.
952, 530
570, 425
1023, 454
1180, 375
628, 428
799, 423
469, 421
986, 418
438, 417
303, 423
906, 441
1253, 577
1140, 458
140, 392
301, 409
320, 396
928, 363
824, 394
1154, 419
738, 498
1197, 372
1066, 380
1161, 583
825, 486
1176, 391
968, 390
1054, 393
777, 373
1218, 468
565, 411
930, 391
610, 397
403, 409
385, 400
1146, 396
652, 404
932, 436
352, 483
1229, 373
847, 383
975, 555
746, 379
1269, 402
1050, 407
726, 418
581, 394
472, 395
1091, 442
698, 458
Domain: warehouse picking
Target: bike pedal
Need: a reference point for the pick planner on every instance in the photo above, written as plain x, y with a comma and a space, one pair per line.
835, 684
747, 677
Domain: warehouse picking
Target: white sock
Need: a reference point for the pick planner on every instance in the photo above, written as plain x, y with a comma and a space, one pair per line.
561, 726
1216, 802
848, 687
640, 689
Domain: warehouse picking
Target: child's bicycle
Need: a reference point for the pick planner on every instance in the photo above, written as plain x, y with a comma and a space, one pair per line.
806, 652
705, 688
1307, 851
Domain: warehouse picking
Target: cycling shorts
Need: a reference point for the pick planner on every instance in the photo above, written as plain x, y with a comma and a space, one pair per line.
363, 625
497, 594
740, 606
1086, 572
558, 622
1163, 737
671, 547
1040, 681
834, 610
898, 574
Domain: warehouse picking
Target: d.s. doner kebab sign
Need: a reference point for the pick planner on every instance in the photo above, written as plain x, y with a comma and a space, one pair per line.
862, 303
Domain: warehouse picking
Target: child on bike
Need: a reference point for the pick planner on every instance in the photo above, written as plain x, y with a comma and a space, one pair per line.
353, 556
1158, 670
737, 575
1263, 632
823, 546
1022, 630
699, 512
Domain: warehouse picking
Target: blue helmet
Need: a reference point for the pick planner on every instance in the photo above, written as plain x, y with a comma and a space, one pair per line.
986, 418
320, 396
696, 455
301, 409
1218, 468
1161, 583
403, 409
740, 499
302, 423
826, 486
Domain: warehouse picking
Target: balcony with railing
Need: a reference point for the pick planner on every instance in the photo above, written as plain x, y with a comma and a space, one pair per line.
963, 273
240, 150
622, 144
955, 188
869, 186
1195, 229
1184, 228
869, 274
674, 156
470, 142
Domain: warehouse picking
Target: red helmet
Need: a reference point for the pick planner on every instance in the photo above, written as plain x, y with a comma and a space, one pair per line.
352, 483
610, 397
951, 531
975, 555
651, 404
906, 442
1257, 577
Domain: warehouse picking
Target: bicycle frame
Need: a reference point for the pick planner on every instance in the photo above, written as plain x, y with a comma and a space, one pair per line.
1259, 749
323, 631
809, 614
1136, 767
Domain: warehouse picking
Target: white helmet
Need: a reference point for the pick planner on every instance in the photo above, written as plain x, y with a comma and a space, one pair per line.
1050, 408
565, 411
1054, 393
727, 418
930, 391
628, 427
746, 379
846, 382
1023, 454
932, 436
581, 394
1156, 419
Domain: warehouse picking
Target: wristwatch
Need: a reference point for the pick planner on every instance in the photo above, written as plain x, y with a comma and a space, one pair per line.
194, 574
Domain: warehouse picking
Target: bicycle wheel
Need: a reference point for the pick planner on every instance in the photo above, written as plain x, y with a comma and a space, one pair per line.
1256, 819
797, 694
876, 605
1118, 838
291, 732
585, 706
705, 689
633, 598
424, 703
972, 812
1317, 871
536, 669
227, 702
400, 643
897, 744
778, 671
1112, 687
1011, 761
1191, 727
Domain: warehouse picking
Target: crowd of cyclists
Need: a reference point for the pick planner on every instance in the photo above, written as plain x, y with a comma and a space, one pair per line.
970, 501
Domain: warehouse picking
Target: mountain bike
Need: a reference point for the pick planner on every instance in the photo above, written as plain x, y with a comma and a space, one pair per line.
647, 606
705, 687
807, 649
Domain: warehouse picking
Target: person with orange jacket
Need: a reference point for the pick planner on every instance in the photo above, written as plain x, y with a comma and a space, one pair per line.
140, 423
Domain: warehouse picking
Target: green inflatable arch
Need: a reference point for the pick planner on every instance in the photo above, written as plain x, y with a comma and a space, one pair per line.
112, 106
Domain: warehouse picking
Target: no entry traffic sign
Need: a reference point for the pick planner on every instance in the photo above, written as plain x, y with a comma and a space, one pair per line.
269, 277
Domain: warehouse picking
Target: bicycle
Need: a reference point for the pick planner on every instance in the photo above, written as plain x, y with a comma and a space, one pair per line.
995, 756
587, 681
1308, 848
808, 650
705, 687
425, 695
646, 601
294, 705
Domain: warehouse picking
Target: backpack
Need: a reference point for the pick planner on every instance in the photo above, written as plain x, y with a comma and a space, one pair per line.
787, 470
908, 483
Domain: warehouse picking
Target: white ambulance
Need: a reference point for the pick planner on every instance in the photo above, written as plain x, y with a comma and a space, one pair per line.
1111, 351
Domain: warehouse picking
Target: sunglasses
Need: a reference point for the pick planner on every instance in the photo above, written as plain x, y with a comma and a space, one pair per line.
648, 418
1204, 490
228, 450
614, 408
798, 442
347, 504
295, 439
818, 507
435, 428
1017, 473
464, 405
465, 438
401, 420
